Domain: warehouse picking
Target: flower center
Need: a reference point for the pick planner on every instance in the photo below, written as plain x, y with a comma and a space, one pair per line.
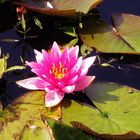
58, 72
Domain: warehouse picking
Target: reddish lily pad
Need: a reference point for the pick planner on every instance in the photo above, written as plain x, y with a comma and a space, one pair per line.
116, 116
60, 7
121, 37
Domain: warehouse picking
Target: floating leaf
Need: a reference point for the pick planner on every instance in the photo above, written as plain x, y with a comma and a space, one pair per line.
121, 37
119, 106
60, 7
116, 116
35, 133
65, 132
24, 110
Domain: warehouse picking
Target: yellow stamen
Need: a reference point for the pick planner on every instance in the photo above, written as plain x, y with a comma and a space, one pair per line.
58, 72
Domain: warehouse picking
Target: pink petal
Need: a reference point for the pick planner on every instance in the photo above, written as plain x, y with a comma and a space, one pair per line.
65, 57
68, 89
38, 55
34, 65
85, 65
61, 84
73, 80
38, 72
85, 82
46, 55
76, 67
55, 50
46, 62
88, 61
34, 83
52, 99
73, 53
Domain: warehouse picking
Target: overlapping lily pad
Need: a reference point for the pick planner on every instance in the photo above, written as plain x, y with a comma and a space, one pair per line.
120, 37
116, 116
60, 7
65, 132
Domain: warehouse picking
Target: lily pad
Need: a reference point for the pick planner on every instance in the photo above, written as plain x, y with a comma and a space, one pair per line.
24, 110
35, 133
120, 37
60, 7
65, 132
116, 116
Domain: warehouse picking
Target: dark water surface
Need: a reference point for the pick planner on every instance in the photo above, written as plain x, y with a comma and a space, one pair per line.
118, 6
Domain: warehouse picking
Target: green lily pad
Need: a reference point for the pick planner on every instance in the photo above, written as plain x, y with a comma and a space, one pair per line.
60, 7
35, 133
120, 105
116, 116
61, 131
24, 110
121, 37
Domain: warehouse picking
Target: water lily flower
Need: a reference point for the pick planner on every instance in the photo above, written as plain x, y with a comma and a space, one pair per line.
58, 73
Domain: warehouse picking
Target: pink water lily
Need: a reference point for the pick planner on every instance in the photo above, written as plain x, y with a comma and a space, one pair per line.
58, 73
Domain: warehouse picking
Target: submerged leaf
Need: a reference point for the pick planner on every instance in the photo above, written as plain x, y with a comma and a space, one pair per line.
3, 65
15, 68
37, 22
71, 32
71, 43
23, 23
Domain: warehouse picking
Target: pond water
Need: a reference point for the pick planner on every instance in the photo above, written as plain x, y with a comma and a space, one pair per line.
126, 71
118, 6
